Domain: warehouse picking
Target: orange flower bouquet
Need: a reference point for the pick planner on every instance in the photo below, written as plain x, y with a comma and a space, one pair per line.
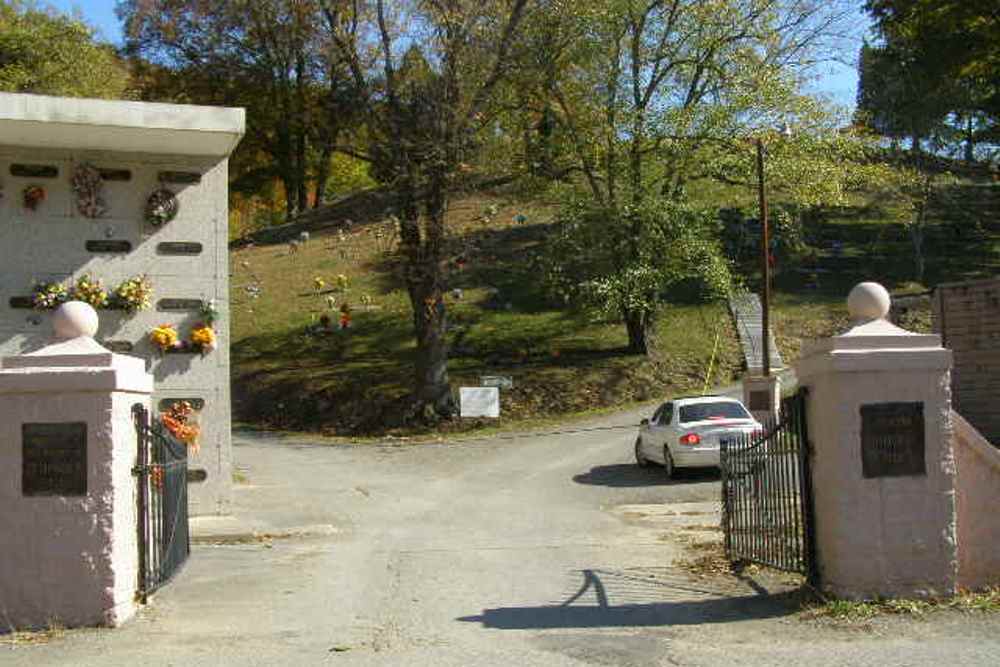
178, 420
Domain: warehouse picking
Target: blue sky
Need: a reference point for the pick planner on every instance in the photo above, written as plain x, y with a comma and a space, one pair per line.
836, 80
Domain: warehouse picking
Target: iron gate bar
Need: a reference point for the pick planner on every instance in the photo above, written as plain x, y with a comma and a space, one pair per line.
767, 493
162, 526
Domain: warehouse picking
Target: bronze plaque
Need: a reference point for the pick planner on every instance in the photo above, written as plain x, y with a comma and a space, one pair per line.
115, 174
196, 475
180, 177
34, 170
118, 346
178, 304
892, 440
106, 246
760, 401
21, 302
178, 248
54, 459
167, 403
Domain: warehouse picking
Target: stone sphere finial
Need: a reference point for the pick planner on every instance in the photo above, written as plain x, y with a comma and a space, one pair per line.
74, 319
868, 301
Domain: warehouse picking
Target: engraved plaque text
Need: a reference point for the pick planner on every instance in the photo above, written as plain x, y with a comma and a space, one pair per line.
54, 459
892, 440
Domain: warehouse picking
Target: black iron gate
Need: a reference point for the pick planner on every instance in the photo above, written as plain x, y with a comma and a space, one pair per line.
767, 513
161, 468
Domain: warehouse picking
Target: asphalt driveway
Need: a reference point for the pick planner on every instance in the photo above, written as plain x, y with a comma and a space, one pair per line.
509, 551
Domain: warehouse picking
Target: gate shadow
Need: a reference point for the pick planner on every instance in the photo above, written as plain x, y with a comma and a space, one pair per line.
725, 604
624, 475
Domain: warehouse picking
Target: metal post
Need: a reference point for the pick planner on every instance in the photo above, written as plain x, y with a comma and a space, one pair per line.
765, 243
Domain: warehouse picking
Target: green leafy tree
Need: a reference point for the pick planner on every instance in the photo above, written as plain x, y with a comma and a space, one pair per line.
951, 46
676, 259
271, 57
425, 110
47, 53
646, 91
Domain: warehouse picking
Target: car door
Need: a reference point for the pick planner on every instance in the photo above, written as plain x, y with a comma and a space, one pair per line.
660, 430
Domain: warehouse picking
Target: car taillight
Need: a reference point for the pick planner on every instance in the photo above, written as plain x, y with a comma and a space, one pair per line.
690, 439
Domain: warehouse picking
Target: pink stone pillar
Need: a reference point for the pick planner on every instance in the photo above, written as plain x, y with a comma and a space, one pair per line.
883, 468
67, 492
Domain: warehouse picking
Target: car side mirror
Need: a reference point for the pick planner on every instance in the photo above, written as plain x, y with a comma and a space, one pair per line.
644, 422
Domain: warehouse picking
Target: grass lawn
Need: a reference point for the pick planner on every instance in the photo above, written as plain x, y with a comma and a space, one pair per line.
291, 373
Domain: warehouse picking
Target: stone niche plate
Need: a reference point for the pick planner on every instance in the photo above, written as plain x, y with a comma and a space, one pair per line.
54, 459
892, 440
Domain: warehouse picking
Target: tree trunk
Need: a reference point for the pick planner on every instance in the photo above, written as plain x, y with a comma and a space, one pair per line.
322, 175
970, 154
424, 283
639, 327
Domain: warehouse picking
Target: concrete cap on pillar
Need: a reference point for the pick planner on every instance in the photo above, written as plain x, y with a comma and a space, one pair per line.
868, 301
74, 319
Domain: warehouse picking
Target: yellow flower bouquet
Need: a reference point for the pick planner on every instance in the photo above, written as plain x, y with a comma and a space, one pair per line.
164, 337
203, 338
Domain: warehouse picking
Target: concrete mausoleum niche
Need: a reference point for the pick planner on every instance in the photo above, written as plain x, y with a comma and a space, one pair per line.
137, 149
67, 491
879, 415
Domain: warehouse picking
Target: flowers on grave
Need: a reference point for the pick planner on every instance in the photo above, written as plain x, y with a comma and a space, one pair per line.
342, 282
33, 195
345, 316
87, 185
203, 338
319, 283
209, 312
134, 294
366, 301
180, 422
89, 290
46, 296
161, 207
164, 337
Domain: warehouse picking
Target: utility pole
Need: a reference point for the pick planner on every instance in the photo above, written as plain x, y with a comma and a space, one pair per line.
765, 265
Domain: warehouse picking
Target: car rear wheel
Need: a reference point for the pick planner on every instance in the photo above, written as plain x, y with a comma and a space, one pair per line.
668, 463
640, 460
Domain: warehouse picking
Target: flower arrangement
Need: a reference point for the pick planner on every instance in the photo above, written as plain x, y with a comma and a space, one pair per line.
33, 195
209, 312
319, 283
345, 316
134, 294
343, 282
161, 207
89, 290
87, 185
179, 421
164, 337
46, 296
203, 338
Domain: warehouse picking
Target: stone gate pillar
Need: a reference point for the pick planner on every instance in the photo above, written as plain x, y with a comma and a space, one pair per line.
883, 468
67, 492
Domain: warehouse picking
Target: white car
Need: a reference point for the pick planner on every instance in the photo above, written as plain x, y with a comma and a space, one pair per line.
687, 432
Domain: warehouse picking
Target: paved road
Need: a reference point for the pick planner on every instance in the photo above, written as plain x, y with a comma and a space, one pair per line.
500, 552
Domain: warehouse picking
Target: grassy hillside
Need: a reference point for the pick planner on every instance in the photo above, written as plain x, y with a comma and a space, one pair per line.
288, 372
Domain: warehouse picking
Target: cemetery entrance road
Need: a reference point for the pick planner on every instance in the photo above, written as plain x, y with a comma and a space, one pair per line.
507, 551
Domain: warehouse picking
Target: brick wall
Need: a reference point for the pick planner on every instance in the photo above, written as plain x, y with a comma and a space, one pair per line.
967, 315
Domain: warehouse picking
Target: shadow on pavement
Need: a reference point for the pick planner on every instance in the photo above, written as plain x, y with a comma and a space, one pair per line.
629, 475
713, 606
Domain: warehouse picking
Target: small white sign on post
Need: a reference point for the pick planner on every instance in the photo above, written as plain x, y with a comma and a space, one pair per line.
480, 401
501, 381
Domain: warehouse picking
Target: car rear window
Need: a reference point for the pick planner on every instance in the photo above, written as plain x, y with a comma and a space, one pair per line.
698, 412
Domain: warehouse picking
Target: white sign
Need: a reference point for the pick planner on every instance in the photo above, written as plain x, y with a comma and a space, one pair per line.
480, 401
502, 381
